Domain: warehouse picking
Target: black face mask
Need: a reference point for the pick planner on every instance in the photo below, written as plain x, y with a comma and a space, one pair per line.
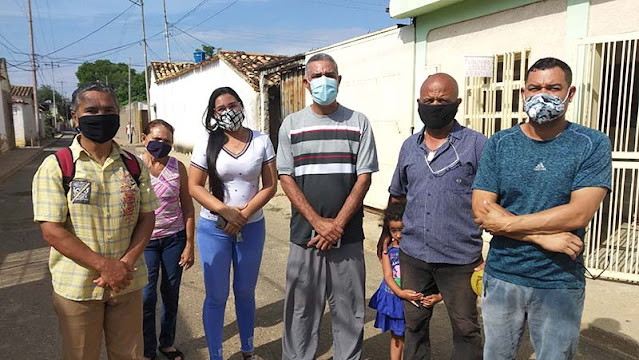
158, 149
437, 116
99, 128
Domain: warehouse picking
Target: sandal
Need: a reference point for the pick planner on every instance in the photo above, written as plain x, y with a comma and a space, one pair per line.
250, 356
172, 355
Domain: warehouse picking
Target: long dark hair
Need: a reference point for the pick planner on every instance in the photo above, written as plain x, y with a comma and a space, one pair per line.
217, 139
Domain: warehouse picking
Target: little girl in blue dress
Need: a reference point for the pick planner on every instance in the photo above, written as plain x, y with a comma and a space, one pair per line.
387, 300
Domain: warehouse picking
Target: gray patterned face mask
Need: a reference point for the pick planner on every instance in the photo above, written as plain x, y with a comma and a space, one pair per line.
542, 108
230, 120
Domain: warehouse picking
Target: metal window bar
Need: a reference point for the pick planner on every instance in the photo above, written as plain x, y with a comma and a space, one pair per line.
483, 95
606, 80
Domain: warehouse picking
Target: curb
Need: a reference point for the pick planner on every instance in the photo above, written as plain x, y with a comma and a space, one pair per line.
12, 170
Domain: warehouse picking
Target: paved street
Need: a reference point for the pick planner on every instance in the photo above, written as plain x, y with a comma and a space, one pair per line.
28, 325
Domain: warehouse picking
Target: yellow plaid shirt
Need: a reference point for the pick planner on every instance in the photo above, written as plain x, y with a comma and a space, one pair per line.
101, 209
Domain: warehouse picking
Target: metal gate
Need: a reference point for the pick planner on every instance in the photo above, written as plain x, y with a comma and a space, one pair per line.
607, 100
493, 104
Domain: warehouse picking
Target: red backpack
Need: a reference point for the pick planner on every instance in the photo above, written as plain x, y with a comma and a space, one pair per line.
67, 165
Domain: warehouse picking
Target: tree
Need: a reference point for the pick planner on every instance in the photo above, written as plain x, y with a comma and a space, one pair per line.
208, 50
116, 75
45, 96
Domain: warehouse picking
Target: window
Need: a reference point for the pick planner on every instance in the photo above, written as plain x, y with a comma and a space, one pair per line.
494, 103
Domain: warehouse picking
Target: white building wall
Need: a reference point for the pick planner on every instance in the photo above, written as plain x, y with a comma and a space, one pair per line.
182, 101
613, 17
540, 27
377, 81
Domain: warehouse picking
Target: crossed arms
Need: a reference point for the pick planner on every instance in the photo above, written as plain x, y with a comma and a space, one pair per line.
549, 229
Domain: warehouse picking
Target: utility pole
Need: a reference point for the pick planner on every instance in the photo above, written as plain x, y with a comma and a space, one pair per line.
64, 103
166, 32
146, 62
54, 112
130, 129
33, 73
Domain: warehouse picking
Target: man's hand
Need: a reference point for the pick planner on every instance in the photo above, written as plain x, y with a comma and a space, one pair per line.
115, 274
494, 221
382, 244
187, 258
328, 229
321, 243
567, 243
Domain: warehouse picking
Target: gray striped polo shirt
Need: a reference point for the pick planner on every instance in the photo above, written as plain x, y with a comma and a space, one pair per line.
325, 154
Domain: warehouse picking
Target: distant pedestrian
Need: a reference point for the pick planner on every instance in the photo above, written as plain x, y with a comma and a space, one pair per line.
325, 159
231, 227
130, 130
387, 300
171, 245
538, 186
98, 219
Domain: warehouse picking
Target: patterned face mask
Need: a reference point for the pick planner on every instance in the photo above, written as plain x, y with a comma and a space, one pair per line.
542, 108
230, 119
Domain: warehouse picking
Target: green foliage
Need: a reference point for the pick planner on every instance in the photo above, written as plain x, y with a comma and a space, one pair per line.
208, 50
116, 75
45, 97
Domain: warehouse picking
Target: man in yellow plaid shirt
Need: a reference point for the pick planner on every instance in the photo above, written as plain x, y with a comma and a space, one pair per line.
97, 229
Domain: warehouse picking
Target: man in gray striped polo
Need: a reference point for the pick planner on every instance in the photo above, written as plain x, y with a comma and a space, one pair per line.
441, 244
325, 158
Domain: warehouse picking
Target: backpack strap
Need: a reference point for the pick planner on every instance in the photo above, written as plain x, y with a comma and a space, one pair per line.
67, 165
132, 165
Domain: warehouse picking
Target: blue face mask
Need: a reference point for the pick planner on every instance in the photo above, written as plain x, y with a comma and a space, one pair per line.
324, 90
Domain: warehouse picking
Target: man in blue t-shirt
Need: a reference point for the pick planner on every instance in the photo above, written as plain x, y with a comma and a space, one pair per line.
537, 188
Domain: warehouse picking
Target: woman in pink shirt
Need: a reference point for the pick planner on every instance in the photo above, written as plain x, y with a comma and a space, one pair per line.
171, 244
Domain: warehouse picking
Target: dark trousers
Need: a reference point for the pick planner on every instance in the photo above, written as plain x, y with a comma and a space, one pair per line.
162, 254
453, 282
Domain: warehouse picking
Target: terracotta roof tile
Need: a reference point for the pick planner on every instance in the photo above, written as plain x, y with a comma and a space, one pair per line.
245, 64
166, 70
21, 90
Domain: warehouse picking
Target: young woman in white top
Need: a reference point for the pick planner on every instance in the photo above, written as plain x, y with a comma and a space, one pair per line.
231, 226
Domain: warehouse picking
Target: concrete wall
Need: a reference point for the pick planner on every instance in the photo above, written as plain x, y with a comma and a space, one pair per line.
377, 81
7, 137
24, 124
613, 17
506, 31
182, 101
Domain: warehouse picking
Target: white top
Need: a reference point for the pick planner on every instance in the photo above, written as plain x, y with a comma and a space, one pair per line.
239, 173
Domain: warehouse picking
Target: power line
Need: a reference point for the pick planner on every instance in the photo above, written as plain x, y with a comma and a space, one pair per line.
191, 11
91, 33
17, 67
18, 51
191, 36
212, 16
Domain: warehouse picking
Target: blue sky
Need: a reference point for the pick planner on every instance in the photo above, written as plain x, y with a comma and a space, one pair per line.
265, 26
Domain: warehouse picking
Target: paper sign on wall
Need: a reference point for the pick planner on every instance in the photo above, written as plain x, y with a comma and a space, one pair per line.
478, 66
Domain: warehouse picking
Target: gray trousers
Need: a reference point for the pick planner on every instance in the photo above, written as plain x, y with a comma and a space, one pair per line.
312, 277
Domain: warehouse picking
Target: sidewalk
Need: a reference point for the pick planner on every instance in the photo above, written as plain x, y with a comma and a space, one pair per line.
14, 159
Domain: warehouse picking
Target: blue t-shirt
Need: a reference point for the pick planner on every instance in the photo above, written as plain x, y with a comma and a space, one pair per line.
530, 176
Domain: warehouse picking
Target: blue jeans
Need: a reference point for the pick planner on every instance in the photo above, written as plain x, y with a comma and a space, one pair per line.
164, 253
553, 315
217, 251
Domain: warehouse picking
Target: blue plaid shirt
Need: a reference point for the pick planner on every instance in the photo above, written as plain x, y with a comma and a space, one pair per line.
438, 221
